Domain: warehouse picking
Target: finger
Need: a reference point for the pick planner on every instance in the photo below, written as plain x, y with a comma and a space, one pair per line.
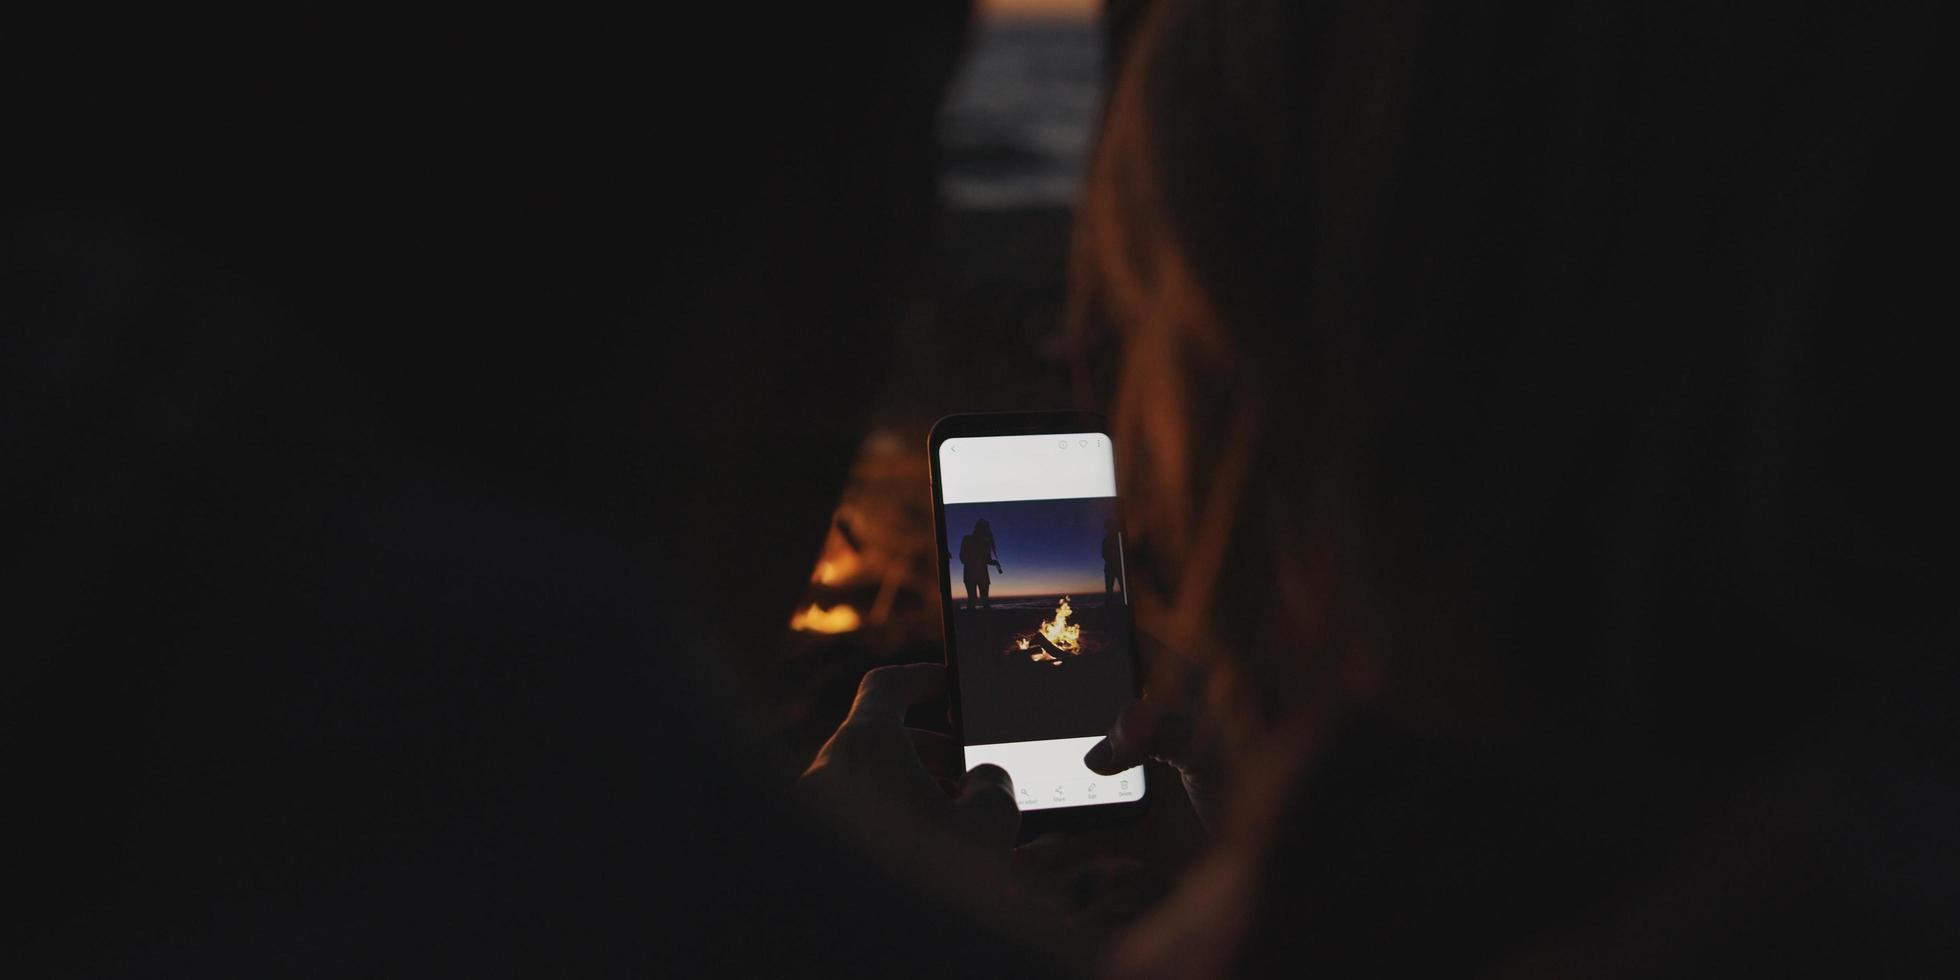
940, 753
1143, 730
1122, 748
986, 806
886, 692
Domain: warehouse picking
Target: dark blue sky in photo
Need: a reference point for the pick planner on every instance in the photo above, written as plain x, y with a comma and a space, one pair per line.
1049, 547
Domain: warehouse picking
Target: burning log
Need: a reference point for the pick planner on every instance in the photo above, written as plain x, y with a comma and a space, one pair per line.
1037, 649
1053, 641
1039, 642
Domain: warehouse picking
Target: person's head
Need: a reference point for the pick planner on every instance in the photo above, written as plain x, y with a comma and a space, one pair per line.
1399, 348
982, 529
1447, 398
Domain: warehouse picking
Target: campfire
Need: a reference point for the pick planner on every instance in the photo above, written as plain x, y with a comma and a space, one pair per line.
1053, 639
841, 572
840, 618
870, 562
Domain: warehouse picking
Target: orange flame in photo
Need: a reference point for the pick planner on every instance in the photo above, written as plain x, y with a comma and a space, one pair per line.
1058, 635
1065, 637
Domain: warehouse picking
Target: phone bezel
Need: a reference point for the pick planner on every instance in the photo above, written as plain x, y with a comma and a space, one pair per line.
1081, 817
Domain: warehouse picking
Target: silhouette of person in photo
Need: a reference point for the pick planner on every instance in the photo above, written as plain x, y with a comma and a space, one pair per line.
1112, 551
976, 553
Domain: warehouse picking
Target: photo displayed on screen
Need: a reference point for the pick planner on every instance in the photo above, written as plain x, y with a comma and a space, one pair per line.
1038, 604
1040, 616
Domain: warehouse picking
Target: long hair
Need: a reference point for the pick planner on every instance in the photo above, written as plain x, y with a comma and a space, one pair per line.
1497, 373
985, 532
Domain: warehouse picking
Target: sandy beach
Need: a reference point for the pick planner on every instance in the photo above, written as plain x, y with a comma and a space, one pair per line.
1011, 696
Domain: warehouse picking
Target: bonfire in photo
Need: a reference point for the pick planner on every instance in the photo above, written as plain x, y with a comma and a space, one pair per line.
1053, 639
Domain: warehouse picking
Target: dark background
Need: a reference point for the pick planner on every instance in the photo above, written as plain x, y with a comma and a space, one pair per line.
368, 376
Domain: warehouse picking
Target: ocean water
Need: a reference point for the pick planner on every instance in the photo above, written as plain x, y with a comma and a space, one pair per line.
1042, 603
1018, 123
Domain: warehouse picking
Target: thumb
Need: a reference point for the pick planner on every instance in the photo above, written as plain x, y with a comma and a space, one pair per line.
1142, 730
986, 807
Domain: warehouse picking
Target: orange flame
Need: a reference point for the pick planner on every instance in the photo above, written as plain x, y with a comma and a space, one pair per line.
1065, 637
816, 619
1058, 632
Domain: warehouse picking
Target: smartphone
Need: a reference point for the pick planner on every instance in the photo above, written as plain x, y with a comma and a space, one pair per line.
1034, 591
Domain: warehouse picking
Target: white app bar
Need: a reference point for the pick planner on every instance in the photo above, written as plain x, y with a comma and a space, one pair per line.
1050, 773
984, 469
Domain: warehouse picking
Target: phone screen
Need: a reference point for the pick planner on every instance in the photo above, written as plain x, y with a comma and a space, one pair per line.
1040, 611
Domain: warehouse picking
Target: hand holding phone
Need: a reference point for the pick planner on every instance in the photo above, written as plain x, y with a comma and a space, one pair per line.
874, 756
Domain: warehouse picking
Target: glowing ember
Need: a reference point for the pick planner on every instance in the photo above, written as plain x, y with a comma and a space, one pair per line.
1021, 643
816, 619
1065, 637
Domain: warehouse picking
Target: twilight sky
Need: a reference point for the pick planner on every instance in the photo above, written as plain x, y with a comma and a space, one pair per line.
1049, 547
